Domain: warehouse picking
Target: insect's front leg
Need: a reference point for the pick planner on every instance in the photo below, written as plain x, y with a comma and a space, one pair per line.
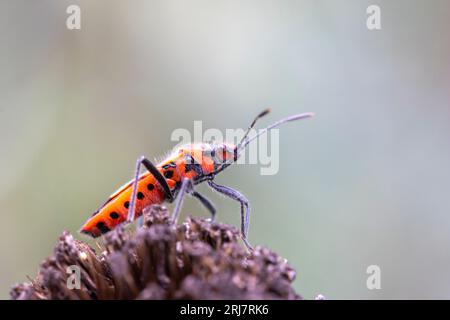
245, 208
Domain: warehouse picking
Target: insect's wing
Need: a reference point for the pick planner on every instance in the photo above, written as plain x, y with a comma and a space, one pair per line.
119, 191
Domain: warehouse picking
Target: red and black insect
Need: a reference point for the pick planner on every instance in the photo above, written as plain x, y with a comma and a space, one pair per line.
175, 177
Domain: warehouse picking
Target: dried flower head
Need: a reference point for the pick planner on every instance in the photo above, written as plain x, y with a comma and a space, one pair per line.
195, 260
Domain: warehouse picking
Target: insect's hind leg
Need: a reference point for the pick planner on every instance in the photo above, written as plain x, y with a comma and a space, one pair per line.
206, 203
158, 176
245, 208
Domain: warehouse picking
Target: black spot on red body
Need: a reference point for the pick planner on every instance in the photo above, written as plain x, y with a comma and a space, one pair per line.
140, 195
191, 164
126, 204
168, 174
102, 227
150, 186
189, 159
114, 215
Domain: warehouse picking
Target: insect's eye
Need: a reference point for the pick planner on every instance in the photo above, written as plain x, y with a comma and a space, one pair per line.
223, 153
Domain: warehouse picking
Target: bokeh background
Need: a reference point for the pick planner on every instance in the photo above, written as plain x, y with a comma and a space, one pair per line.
365, 182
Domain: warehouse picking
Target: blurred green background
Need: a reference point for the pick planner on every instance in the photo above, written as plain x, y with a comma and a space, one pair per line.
365, 182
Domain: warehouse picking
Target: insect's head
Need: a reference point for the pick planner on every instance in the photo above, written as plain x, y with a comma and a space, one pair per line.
228, 153
224, 152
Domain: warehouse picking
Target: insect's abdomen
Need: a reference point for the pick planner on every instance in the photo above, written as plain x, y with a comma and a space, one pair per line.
115, 210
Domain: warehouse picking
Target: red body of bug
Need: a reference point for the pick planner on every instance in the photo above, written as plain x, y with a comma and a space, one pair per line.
183, 163
177, 175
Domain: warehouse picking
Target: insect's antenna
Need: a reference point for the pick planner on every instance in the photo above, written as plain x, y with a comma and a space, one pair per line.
259, 116
295, 117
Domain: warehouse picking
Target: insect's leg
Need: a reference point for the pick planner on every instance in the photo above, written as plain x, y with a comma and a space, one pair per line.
158, 176
140, 221
131, 208
206, 203
245, 208
185, 184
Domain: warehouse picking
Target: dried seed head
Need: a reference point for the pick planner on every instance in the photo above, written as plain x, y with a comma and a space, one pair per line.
196, 260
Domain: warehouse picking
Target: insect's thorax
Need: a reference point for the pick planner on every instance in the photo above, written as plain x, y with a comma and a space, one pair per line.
197, 162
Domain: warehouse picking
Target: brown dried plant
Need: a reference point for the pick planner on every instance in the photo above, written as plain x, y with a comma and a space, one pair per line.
195, 260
